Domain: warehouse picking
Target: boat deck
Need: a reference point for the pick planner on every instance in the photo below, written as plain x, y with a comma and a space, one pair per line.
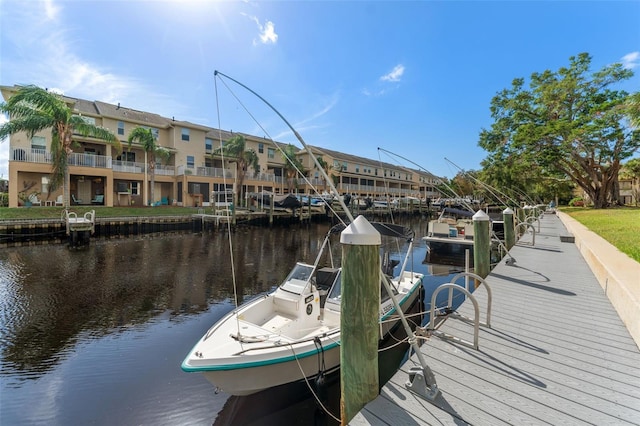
556, 353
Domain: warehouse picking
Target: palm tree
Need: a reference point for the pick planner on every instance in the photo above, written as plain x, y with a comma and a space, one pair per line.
33, 109
144, 136
327, 171
292, 166
236, 150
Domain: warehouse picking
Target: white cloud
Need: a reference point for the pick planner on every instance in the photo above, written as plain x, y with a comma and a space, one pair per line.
630, 60
51, 10
267, 31
47, 58
268, 34
309, 123
38, 48
395, 74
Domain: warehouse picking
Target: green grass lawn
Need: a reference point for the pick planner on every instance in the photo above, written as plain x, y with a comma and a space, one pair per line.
101, 211
619, 226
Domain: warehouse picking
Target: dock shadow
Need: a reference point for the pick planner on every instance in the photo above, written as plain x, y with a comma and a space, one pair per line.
501, 366
542, 248
439, 402
512, 339
534, 285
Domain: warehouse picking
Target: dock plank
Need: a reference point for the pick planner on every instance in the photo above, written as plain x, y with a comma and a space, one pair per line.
557, 352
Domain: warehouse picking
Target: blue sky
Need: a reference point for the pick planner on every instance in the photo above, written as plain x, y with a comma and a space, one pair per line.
413, 77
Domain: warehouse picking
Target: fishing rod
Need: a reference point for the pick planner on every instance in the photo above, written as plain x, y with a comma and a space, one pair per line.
297, 135
440, 181
485, 185
428, 376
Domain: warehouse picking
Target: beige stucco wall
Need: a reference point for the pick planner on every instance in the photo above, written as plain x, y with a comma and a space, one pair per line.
617, 273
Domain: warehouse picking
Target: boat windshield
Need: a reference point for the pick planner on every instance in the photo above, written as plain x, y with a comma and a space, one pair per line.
298, 279
335, 295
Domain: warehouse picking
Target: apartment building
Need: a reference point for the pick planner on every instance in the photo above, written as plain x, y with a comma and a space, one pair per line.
193, 171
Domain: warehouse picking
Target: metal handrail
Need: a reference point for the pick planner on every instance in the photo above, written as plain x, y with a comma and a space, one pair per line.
455, 278
476, 320
527, 225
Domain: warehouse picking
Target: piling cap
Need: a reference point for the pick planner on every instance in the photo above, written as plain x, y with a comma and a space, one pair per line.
360, 233
480, 216
507, 211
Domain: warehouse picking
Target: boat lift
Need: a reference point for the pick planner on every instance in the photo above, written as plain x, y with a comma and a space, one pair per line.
79, 228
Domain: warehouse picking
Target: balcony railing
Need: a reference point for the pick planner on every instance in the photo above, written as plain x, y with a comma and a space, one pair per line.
133, 167
30, 155
74, 159
128, 166
89, 160
165, 170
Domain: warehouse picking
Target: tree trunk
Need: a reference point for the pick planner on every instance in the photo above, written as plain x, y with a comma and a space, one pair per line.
152, 172
66, 188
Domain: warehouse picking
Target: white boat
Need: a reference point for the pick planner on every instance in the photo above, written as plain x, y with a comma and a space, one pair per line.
293, 332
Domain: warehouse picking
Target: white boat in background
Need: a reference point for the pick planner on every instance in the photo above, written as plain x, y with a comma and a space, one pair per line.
293, 333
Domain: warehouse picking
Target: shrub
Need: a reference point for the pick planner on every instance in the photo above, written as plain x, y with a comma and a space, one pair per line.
576, 202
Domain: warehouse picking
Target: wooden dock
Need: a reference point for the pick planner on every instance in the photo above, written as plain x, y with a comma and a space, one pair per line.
557, 352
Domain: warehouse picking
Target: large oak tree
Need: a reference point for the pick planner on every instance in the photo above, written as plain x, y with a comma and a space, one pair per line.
566, 124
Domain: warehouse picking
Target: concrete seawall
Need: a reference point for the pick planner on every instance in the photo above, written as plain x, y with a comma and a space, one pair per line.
617, 273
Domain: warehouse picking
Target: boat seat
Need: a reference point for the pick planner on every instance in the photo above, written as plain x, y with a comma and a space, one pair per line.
440, 229
286, 304
468, 232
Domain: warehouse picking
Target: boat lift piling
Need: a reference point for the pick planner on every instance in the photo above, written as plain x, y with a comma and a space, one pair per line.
481, 244
360, 309
509, 228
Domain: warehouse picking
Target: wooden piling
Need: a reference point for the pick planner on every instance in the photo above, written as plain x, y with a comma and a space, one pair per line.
481, 244
509, 228
360, 316
521, 219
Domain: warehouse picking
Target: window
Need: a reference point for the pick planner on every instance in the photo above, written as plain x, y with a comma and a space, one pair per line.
208, 144
121, 127
156, 133
45, 184
344, 166
357, 169
39, 142
185, 134
127, 156
271, 153
135, 188
261, 148
190, 161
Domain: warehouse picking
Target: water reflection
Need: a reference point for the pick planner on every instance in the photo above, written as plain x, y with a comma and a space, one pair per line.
97, 336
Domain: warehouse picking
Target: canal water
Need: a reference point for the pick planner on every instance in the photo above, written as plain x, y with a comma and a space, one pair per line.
96, 336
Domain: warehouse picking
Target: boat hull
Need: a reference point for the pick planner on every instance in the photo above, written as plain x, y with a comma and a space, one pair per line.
258, 369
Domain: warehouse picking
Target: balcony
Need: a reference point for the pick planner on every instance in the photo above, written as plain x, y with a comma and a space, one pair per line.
74, 159
89, 160
128, 166
30, 155
165, 170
